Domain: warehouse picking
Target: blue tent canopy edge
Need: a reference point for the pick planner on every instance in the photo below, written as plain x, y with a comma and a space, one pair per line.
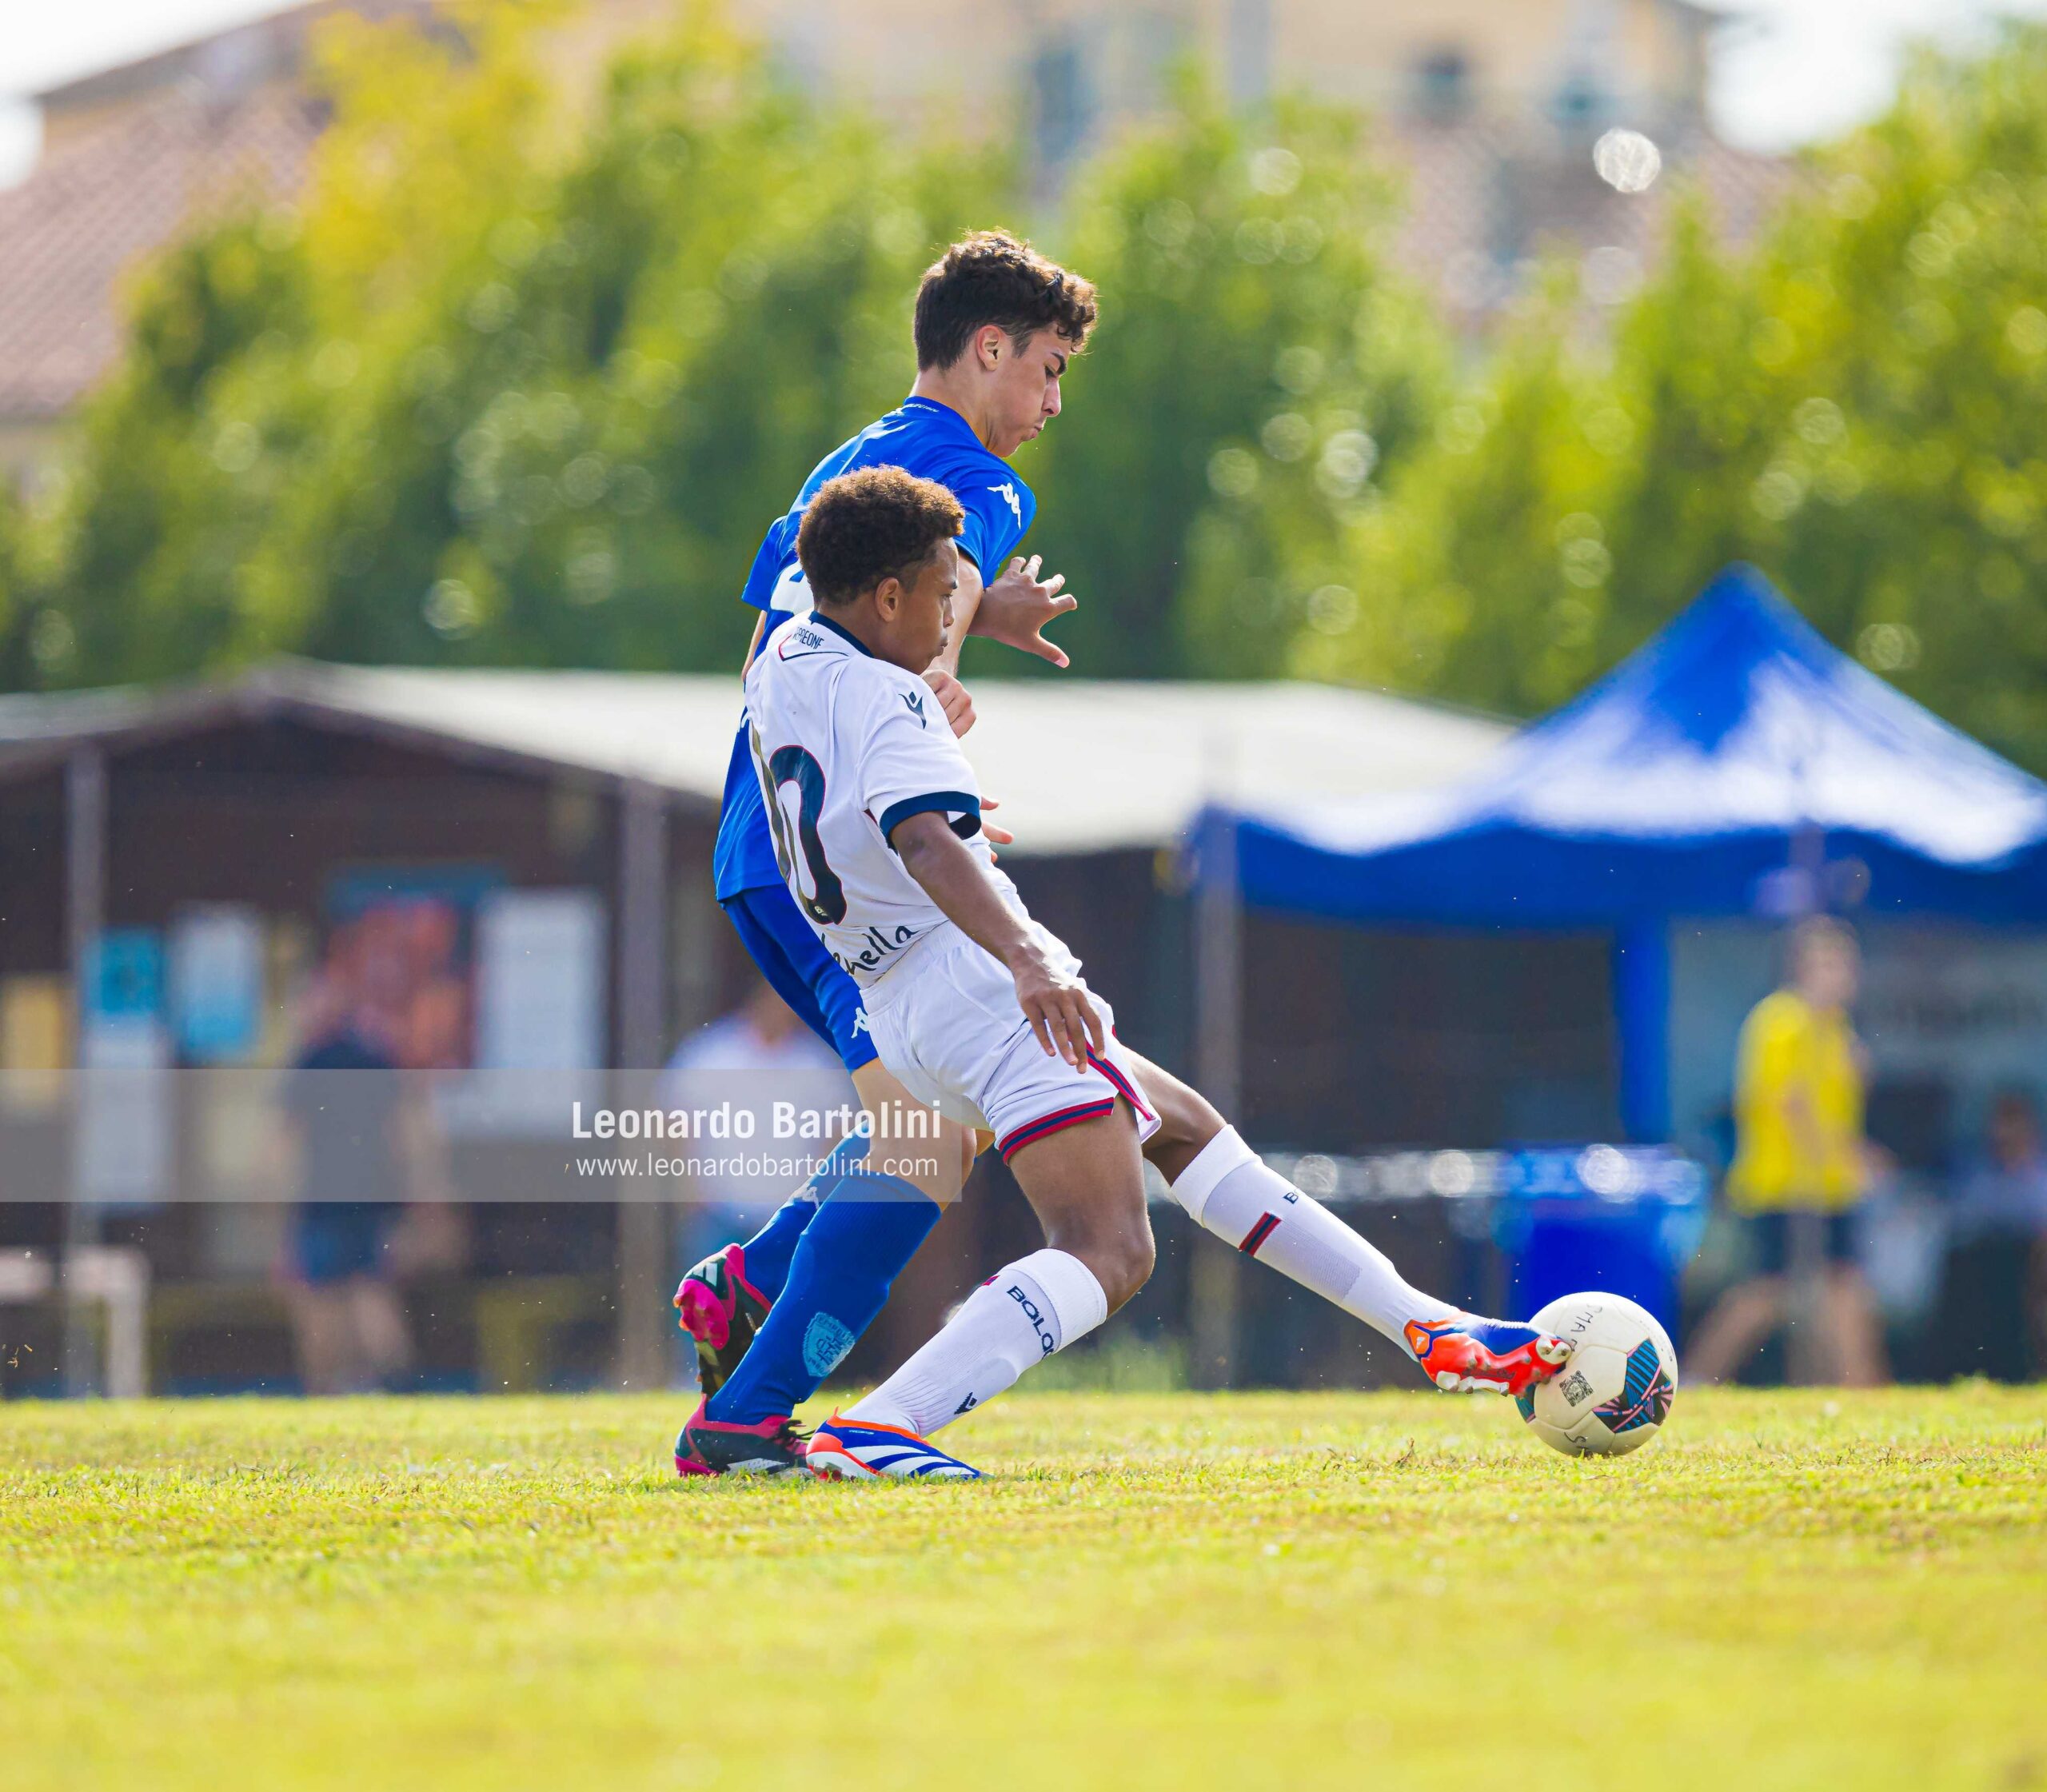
1735, 744
1736, 764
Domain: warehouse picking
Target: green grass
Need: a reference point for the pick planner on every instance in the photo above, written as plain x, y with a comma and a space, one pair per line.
1365, 1590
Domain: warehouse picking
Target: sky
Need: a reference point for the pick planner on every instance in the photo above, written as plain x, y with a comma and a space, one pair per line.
1792, 72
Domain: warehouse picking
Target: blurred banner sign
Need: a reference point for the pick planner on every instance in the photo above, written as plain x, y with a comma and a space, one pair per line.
124, 978
540, 963
217, 982
125, 1113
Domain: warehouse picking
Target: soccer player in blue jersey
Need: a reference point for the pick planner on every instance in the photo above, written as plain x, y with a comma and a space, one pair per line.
995, 326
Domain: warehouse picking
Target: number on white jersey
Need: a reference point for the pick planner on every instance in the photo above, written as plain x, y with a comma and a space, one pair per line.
822, 895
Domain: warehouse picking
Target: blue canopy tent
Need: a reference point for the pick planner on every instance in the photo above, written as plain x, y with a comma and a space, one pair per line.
1736, 765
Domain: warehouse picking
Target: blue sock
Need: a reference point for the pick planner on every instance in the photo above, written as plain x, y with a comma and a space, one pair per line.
839, 1279
769, 1251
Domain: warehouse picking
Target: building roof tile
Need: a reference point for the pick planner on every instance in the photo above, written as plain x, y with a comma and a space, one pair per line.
101, 201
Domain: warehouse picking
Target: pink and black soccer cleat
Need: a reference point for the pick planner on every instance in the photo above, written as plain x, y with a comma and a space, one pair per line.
1467, 1354
706, 1447
850, 1449
721, 1310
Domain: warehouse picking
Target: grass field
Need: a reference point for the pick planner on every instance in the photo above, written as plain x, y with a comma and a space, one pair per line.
1811, 1590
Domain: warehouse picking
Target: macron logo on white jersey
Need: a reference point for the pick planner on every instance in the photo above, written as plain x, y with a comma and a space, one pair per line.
1007, 491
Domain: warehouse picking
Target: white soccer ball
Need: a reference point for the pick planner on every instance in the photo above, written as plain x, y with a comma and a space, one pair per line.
1614, 1393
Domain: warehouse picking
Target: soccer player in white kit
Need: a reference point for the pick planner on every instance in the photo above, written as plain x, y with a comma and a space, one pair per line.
875, 814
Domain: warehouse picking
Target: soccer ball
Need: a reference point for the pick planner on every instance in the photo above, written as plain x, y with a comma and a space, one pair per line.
1614, 1393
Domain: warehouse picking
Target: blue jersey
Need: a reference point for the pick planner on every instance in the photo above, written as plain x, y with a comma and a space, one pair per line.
921, 436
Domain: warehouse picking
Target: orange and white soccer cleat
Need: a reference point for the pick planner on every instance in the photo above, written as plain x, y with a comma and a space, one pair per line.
1468, 1355
851, 1450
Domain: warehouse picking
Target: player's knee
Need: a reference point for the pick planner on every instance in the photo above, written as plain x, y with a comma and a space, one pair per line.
1124, 1263
1116, 1248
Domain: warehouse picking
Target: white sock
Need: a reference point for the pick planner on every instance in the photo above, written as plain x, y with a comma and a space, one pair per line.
1231, 1192
1017, 1317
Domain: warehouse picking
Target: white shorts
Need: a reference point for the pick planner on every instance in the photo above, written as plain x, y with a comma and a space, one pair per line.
946, 1022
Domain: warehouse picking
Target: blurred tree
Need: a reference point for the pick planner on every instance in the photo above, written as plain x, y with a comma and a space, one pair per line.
523, 378
152, 522
1854, 406
1252, 371
17, 607
516, 385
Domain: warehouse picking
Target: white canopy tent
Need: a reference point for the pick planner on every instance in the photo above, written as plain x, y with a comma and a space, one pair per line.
1079, 766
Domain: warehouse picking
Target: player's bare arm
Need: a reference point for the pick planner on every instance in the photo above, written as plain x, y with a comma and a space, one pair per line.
967, 596
1055, 1003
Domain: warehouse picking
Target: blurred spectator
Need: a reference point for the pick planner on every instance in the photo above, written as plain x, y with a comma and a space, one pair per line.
764, 1039
1801, 1168
365, 1147
1994, 1286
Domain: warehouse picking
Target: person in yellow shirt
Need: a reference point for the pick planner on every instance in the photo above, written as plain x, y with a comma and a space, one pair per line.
1801, 1166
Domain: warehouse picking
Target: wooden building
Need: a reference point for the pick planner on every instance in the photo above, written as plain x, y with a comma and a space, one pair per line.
293, 796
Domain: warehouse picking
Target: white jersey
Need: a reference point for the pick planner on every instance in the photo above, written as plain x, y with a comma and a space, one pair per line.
846, 746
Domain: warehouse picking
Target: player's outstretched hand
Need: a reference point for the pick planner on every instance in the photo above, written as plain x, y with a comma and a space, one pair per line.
1060, 1015
994, 831
952, 698
1015, 609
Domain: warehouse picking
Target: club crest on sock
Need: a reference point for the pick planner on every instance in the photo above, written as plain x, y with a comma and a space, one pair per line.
826, 1344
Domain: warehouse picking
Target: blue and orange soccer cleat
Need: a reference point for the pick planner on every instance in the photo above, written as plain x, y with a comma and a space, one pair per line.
721, 1310
707, 1447
850, 1450
1468, 1355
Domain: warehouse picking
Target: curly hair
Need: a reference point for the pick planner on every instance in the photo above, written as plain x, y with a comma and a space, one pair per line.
877, 523
992, 277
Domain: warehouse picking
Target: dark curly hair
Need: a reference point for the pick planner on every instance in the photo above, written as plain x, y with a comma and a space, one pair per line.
992, 277
876, 524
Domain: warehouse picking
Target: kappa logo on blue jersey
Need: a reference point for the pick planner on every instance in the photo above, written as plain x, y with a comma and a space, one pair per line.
1007, 491
916, 701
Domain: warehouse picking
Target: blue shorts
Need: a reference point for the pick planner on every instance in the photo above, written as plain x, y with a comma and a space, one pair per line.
1769, 1237
336, 1241
793, 960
